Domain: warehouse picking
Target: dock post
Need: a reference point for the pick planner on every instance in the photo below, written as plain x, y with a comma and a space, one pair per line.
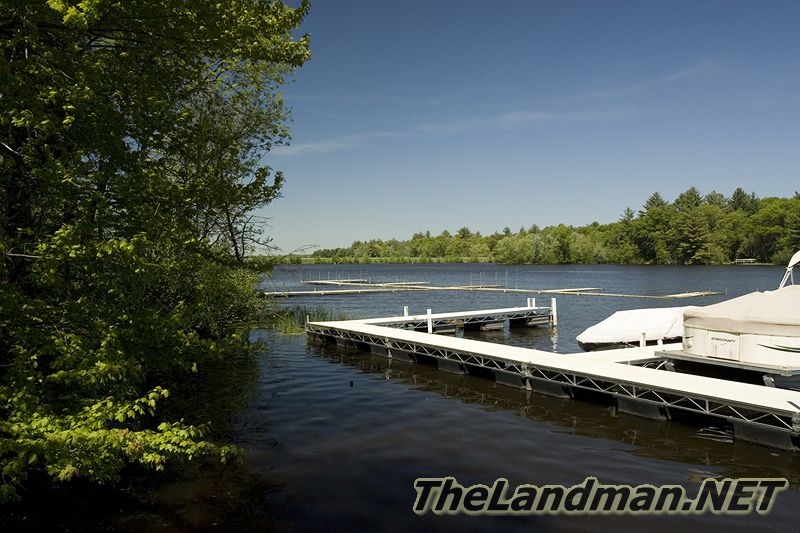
533, 303
553, 312
643, 340
430, 322
405, 310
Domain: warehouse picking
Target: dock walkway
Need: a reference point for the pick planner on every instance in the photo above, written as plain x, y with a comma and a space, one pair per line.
637, 378
486, 319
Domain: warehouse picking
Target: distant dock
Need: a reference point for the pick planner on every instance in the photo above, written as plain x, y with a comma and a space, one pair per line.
363, 286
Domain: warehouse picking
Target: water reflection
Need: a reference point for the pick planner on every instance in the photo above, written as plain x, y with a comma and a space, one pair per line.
689, 439
355, 430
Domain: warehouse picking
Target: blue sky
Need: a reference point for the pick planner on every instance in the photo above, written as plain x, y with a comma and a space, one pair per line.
431, 115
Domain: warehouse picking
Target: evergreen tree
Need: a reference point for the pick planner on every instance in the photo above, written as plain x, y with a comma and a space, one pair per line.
688, 200
740, 200
716, 198
653, 202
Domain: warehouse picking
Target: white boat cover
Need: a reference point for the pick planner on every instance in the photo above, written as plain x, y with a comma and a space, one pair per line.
628, 326
758, 313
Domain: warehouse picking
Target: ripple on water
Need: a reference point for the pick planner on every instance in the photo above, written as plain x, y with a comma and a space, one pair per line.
345, 434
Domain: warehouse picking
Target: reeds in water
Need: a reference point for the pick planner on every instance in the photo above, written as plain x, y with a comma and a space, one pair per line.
292, 320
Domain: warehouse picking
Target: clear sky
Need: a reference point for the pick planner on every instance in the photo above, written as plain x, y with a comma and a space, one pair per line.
431, 115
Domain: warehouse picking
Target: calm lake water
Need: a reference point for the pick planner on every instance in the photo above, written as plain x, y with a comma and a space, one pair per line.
335, 439
344, 434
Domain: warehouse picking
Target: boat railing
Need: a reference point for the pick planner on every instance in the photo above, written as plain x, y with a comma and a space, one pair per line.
789, 276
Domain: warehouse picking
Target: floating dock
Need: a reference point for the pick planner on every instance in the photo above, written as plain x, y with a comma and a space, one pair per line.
362, 286
413, 284
640, 380
531, 315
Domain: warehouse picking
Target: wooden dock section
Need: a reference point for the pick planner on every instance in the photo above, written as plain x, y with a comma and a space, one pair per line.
639, 380
334, 292
345, 282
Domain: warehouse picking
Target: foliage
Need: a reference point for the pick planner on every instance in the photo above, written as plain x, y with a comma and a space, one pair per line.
292, 320
694, 229
132, 137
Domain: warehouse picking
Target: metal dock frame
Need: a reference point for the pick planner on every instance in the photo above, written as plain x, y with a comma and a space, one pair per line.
758, 414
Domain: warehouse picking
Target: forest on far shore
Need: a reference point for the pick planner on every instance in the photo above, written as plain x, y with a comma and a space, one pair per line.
693, 229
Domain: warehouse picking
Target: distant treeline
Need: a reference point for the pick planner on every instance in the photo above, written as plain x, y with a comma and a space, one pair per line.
693, 229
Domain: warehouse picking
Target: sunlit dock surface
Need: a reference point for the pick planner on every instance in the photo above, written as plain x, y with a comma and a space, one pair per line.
531, 315
641, 380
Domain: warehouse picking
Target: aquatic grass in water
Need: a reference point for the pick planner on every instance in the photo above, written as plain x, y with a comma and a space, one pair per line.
292, 320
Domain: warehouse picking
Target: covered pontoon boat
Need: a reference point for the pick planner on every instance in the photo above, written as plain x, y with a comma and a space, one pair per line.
631, 327
759, 332
760, 328
756, 335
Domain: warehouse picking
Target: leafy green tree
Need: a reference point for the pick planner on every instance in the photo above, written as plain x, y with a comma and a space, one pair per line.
463, 233
440, 244
564, 242
652, 233
731, 235
458, 248
792, 238
479, 248
620, 239
766, 227
715, 248
132, 137
513, 250
588, 247
692, 229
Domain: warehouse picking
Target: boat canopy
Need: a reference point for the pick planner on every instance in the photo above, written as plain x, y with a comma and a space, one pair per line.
758, 313
628, 326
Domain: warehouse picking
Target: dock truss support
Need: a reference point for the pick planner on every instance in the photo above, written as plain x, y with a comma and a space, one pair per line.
752, 419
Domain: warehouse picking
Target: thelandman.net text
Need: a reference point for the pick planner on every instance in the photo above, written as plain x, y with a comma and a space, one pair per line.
728, 496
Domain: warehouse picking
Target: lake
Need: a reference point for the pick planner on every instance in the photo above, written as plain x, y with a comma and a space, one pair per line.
576, 313
344, 434
334, 439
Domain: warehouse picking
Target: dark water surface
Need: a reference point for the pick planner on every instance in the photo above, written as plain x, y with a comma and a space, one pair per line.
345, 434
335, 438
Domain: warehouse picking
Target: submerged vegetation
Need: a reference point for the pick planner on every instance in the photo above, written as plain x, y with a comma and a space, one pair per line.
132, 137
692, 229
292, 320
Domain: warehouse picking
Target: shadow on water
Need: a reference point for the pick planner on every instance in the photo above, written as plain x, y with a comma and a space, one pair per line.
186, 496
334, 439
690, 439
345, 434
